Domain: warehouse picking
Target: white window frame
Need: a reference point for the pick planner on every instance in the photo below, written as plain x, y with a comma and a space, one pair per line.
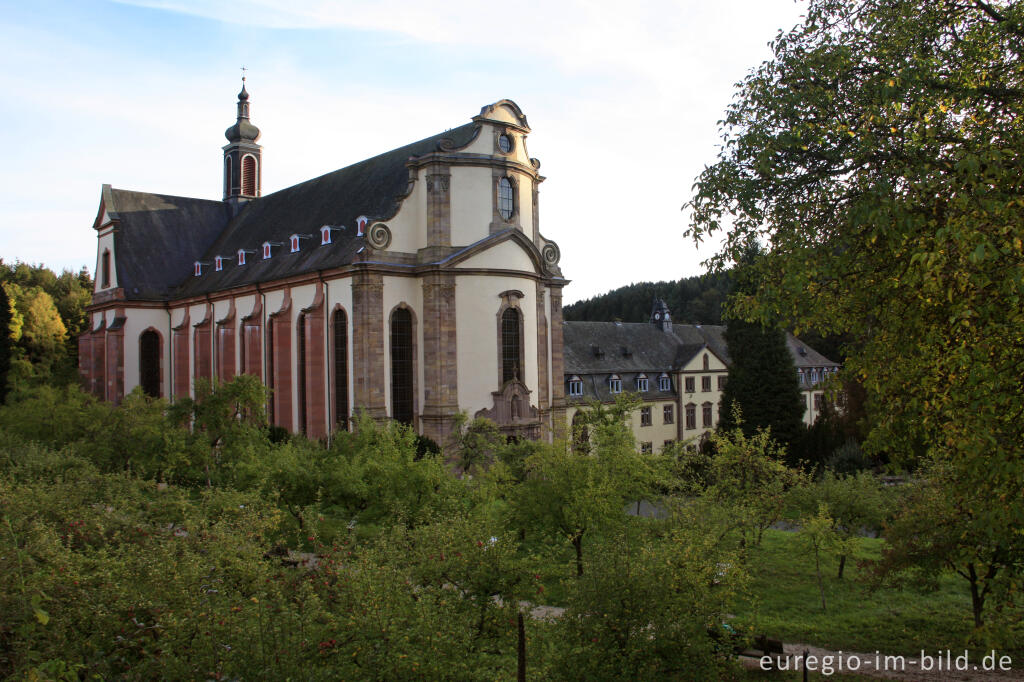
614, 384
664, 383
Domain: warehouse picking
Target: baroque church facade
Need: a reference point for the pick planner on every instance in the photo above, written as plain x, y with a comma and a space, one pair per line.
414, 285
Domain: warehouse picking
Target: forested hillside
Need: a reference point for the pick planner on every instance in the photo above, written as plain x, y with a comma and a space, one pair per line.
692, 300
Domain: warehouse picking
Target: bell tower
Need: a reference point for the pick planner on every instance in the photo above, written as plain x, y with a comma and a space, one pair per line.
243, 158
660, 315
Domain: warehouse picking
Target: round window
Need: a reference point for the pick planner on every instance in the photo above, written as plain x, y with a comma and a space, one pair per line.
505, 143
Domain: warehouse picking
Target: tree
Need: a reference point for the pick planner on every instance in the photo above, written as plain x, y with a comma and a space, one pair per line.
878, 156
5, 342
762, 380
939, 529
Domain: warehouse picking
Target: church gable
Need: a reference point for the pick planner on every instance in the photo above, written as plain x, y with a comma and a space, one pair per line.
506, 255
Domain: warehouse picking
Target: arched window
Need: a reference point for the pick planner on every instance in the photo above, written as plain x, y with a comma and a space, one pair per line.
511, 347
149, 363
249, 171
106, 268
341, 369
506, 198
301, 369
401, 366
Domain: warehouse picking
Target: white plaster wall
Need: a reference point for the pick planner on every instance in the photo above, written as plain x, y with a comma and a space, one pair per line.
471, 203
409, 226
524, 185
408, 290
506, 256
476, 326
139, 320
104, 241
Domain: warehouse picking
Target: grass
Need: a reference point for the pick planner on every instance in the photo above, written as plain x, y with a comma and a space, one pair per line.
788, 607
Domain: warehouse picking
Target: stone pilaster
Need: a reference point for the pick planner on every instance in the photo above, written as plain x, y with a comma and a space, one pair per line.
542, 356
557, 364
316, 372
368, 344
439, 206
180, 356
440, 357
281, 359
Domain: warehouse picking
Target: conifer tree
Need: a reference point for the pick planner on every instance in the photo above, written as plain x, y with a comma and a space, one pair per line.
762, 378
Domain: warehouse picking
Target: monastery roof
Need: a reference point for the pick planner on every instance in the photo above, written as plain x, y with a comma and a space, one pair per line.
598, 348
166, 235
158, 237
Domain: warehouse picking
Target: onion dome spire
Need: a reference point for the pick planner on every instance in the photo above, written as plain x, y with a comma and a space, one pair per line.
243, 130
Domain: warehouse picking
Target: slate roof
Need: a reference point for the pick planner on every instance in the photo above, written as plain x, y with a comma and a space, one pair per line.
159, 237
372, 188
162, 236
651, 351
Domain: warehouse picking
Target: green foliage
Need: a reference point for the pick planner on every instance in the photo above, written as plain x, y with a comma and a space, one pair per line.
747, 476
692, 300
943, 525
571, 494
6, 341
647, 607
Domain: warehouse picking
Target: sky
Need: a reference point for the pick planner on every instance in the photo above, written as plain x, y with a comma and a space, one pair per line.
623, 100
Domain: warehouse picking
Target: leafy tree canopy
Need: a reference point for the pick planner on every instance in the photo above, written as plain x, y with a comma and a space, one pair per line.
878, 157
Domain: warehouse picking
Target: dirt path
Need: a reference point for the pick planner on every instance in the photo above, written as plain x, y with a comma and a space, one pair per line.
893, 668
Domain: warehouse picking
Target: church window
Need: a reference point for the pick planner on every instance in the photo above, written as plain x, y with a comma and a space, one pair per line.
401, 366
504, 143
664, 383
511, 348
149, 363
341, 369
575, 386
642, 383
218, 264
106, 268
691, 416
506, 199
645, 416
249, 171
614, 384
706, 410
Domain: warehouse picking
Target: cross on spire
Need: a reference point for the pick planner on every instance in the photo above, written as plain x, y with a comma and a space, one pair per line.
243, 73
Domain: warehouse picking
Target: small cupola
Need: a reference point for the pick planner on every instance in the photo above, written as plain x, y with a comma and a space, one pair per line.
243, 158
660, 315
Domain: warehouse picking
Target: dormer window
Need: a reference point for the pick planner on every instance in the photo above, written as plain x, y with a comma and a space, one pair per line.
575, 386
241, 256
642, 384
361, 225
295, 242
218, 263
614, 384
800, 375
664, 382
199, 269
266, 250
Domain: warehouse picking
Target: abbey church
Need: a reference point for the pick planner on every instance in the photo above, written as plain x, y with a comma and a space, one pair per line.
413, 285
